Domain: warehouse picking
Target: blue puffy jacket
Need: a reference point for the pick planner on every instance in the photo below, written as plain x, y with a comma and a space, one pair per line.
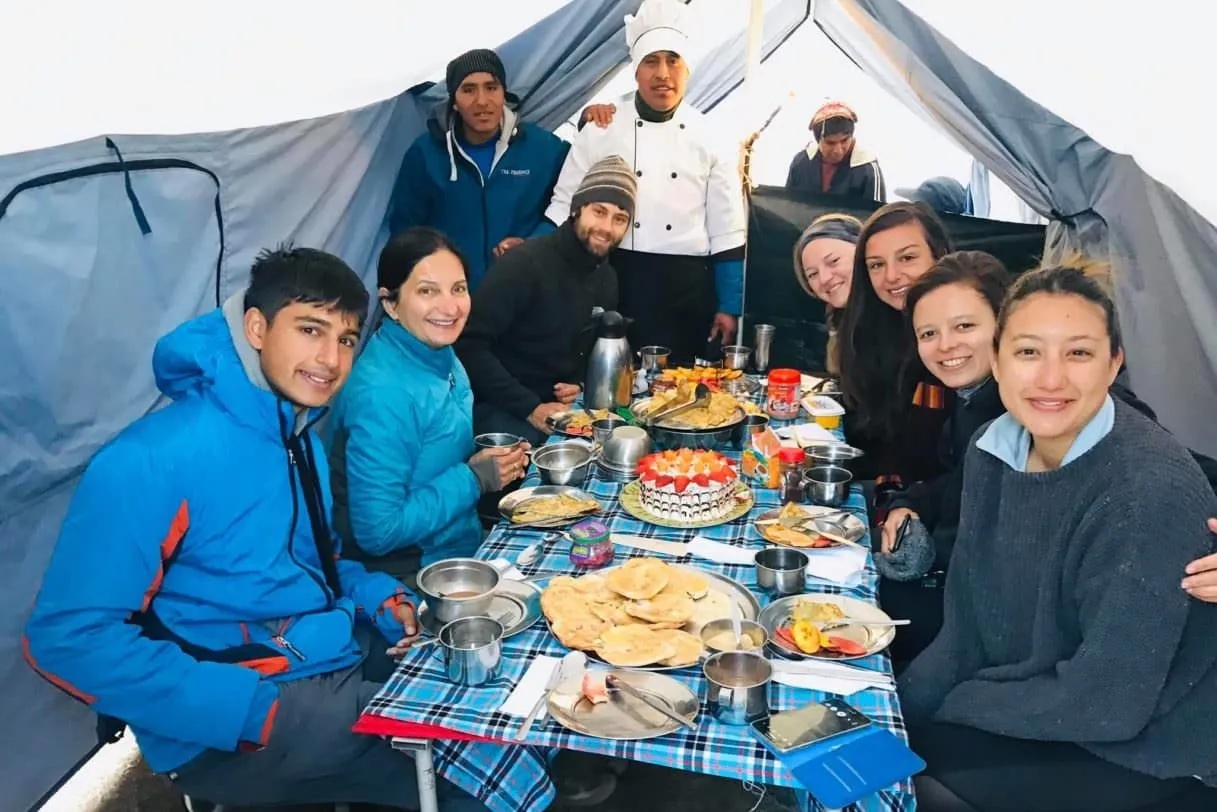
399, 435
440, 186
192, 523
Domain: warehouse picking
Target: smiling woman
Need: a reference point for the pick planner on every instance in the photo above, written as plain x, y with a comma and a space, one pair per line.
405, 476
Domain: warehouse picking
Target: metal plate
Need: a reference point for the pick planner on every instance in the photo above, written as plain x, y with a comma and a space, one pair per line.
777, 614
516, 604
512, 501
559, 423
623, 718
631, 502
855, 528
640, 407
740, 595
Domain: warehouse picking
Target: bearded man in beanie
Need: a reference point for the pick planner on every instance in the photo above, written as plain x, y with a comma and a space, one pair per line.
479, 174
681, 265
532, 319
833, 163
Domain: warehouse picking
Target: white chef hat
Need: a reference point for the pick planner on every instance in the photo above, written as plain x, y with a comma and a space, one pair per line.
659, 25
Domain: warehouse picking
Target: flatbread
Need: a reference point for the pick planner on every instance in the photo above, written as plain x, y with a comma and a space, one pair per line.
688, 648
685, 583
579, 632
639, 578
715, 606
633, 646
662, 609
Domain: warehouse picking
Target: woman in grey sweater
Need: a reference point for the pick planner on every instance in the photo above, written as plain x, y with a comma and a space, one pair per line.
1071, 672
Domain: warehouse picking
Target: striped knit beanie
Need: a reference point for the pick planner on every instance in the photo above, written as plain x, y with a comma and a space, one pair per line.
610, 180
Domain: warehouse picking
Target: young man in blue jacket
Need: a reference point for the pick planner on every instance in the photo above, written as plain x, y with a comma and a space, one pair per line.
481, 176
197, 593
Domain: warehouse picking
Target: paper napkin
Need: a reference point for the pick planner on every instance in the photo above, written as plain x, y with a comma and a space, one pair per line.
830, 678
837, 565
531, 687
719, 552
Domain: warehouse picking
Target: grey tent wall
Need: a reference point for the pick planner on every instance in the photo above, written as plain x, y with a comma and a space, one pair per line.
1160, 249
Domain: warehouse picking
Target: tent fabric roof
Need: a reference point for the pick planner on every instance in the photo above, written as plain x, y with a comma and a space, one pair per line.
134, 68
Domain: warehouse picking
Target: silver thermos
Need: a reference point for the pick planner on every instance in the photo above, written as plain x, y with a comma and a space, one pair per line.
610, 365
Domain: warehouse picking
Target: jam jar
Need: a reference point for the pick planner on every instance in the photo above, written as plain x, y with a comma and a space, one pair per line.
782, 398
590, 547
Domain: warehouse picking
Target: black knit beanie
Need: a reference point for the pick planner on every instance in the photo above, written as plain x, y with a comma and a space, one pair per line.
479, 60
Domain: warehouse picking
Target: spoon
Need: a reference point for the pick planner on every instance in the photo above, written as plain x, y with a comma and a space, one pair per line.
851, 621
737, 627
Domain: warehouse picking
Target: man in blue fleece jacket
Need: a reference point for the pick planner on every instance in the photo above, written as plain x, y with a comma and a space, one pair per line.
479, 174
197, 593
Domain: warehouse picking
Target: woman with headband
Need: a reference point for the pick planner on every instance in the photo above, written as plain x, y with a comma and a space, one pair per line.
823, 265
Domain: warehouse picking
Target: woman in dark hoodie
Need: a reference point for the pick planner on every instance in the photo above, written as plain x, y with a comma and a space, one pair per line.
894, 408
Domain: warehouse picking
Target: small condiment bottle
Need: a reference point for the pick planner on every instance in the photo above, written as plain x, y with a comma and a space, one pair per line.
591, 546
782, 397
790, 480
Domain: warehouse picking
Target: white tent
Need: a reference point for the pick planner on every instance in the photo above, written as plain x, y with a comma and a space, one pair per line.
150, 150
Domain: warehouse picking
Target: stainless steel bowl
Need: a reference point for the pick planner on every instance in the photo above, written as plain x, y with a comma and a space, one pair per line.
827, 485
752, 630
719, 439
458, 587
602, 428
781, 571
625, 447
737, 686
567, 463
497, 439
835, 454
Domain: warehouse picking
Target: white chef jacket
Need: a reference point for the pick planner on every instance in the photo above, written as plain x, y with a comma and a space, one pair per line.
690, 199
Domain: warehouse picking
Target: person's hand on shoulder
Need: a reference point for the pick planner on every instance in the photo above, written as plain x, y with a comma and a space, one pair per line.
1201, 580
599, 114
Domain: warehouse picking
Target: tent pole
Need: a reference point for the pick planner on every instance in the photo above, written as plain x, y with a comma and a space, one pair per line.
752, 69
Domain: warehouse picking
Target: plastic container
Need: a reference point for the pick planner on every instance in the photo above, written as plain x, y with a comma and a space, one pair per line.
782, 398
591, 546
826, 411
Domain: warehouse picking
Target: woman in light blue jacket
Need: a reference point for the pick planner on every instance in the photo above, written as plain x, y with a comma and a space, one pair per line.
405, 479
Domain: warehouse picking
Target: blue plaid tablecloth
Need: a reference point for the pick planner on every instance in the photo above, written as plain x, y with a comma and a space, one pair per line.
513, 778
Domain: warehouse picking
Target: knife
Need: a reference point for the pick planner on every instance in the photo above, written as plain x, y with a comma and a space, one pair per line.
566, 668
650, 701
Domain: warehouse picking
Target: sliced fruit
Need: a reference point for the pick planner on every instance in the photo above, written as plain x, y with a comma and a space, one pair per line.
648, 475
721, 475
784, 637
702, 480
681, 482
806, 636
850, 648
661, 481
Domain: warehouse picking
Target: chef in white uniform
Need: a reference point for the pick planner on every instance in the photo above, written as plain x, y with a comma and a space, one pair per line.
680, 267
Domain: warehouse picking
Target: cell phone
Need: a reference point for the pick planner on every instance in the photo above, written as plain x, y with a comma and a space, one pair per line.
810, 724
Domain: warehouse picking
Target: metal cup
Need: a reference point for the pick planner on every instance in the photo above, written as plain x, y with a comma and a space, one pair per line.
654, 357
473, 649
748, 426
602, 429
781, 571
762, 344
497, 439
735, 356
737, 686
827, 485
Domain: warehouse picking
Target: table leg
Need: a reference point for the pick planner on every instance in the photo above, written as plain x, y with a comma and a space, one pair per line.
424, 768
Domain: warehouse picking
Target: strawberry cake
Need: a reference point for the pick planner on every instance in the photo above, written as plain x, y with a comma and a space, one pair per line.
687, 485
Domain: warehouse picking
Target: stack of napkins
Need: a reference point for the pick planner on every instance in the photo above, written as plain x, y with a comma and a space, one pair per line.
807, 434
842, 566
531, 687
829, 677
719, 552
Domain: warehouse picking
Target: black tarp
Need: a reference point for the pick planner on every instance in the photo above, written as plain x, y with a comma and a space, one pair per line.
776, 217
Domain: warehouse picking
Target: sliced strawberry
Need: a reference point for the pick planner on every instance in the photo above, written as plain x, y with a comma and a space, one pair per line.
682, 482
702, 479
661, 481
648, 475
721, 475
